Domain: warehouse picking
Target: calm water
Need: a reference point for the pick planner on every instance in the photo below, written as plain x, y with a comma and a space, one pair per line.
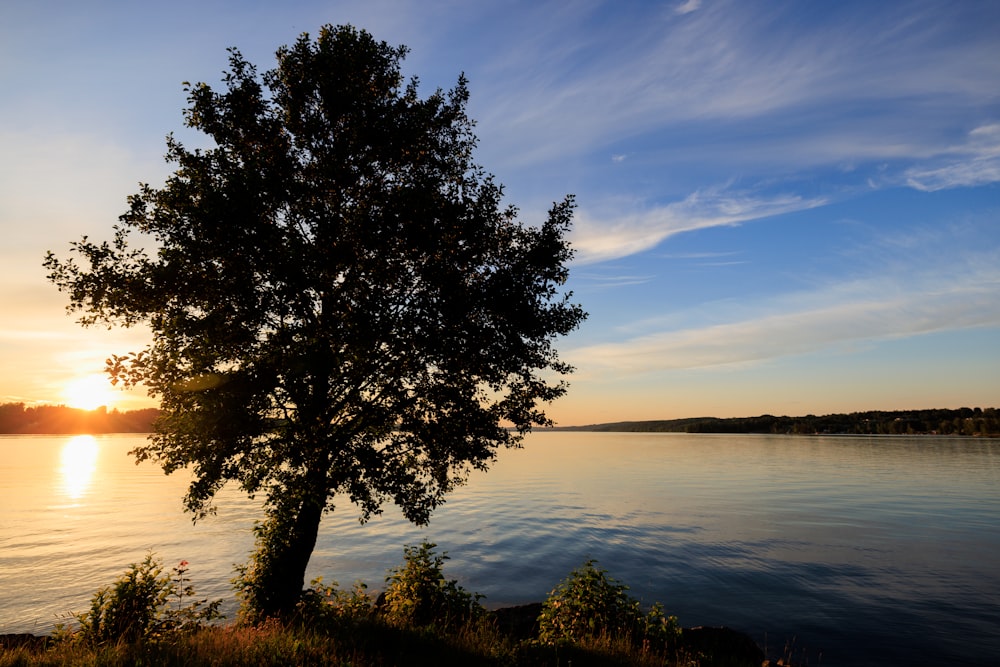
855, 550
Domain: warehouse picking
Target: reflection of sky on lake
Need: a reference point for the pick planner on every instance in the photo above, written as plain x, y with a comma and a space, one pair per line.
75, 511
78, 463
874, 551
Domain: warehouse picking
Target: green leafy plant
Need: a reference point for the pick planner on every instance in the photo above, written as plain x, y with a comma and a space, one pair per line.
325, 605
186, 613
589, 604
144, 603
253, 580
417, 594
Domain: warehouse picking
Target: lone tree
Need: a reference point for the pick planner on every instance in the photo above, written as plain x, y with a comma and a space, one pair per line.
340, 304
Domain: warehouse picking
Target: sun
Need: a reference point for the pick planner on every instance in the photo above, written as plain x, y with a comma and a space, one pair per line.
90, 392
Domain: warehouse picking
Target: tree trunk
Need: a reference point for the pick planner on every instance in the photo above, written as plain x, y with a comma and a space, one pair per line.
275, 579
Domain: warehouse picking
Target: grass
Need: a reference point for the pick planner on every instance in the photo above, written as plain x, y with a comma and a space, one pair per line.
369, 643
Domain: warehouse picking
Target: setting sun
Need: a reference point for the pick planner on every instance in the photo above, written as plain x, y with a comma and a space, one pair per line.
90, 392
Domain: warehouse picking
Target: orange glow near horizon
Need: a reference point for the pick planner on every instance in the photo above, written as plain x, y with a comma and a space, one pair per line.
90, 392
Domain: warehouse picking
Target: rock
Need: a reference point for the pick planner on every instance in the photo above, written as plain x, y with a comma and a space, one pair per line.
519, 622
23, 640
722, 647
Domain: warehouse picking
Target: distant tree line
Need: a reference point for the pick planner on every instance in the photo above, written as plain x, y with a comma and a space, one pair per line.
19, 418
963, 421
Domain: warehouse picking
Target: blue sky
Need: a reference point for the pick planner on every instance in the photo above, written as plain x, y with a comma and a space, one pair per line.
784, 207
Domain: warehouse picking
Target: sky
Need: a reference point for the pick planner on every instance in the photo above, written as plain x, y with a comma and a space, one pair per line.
785, 208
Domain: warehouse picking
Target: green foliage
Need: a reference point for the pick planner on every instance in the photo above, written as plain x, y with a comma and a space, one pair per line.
325, 606
340, 302
417, 594
144, 603
257, 583
588, 604
423, 619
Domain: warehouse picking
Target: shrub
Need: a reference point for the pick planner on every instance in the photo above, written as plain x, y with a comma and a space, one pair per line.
323, 605
588, 604
138, 606
251, 580
418, 595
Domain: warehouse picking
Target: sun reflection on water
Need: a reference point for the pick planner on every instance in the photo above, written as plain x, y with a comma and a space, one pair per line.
79, 460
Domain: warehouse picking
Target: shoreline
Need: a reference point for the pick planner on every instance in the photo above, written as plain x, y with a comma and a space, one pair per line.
719, 644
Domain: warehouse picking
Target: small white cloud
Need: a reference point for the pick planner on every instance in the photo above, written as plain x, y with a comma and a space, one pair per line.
618, 158
688, 7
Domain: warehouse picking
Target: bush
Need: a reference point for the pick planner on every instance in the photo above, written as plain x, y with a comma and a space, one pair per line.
252, 579
138, 606
325, 606
418, 595
588, 605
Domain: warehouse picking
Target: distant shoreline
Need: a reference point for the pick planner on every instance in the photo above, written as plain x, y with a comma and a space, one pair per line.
972, 422
19, 419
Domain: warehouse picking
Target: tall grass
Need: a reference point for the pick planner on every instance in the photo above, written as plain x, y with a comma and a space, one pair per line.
369, 644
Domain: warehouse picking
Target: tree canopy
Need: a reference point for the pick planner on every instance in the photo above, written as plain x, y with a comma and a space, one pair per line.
341, 304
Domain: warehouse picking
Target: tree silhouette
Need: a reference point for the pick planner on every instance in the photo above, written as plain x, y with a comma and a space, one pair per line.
339, 302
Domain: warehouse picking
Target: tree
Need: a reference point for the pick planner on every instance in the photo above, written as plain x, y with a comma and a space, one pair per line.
340, 304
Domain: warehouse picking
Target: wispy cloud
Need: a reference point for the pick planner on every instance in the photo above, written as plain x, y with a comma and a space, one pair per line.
879, 308
706, 258
600, 238
893, 84
977, 162
688, 7
611, 280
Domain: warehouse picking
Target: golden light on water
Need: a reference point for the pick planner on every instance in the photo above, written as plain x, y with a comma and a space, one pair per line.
78, 463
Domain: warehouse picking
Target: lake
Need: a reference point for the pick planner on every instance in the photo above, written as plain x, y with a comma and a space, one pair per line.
851, 550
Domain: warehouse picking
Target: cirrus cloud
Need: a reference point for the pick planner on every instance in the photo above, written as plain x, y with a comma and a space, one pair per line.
599, 238
977, 162
880, 307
